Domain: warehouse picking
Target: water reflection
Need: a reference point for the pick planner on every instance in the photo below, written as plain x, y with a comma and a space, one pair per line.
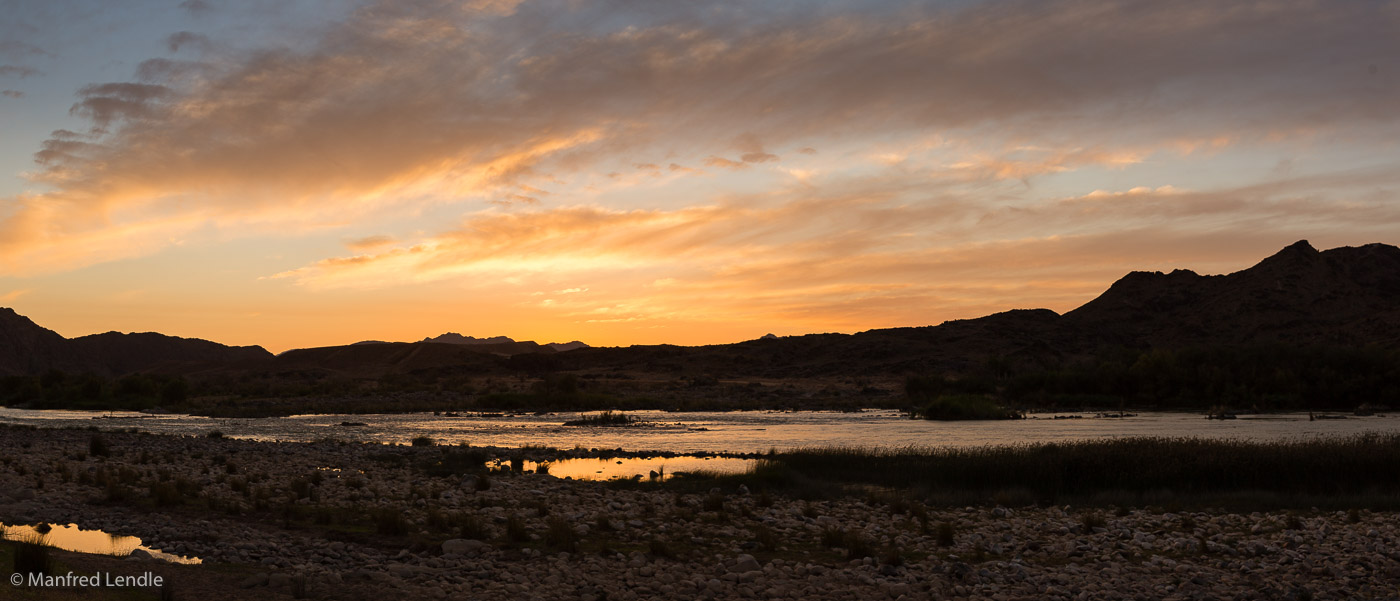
97, 542
657, 468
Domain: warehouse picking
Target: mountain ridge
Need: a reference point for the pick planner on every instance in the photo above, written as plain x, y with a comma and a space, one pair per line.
1345, 296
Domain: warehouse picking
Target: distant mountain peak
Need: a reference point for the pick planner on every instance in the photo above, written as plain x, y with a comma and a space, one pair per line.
566, 346
1298, 253
455, 338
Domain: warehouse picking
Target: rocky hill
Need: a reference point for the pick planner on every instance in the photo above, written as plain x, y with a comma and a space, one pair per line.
1343, 297
29, 349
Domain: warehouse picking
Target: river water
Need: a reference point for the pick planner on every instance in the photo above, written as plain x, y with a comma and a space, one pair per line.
732, 431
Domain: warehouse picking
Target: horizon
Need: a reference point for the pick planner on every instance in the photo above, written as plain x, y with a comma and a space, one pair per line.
487, 336
318, 173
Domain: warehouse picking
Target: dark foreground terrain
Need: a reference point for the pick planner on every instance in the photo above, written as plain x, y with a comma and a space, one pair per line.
337, 520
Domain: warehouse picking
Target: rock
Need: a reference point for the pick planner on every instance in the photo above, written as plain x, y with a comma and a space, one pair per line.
142, 554
463, 546
746, 563
258, 579
278, 580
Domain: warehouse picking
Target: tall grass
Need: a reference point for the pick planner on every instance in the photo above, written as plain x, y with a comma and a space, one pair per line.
1365, 467
31, 557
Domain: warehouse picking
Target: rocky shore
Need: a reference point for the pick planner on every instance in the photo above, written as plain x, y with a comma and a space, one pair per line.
352, 521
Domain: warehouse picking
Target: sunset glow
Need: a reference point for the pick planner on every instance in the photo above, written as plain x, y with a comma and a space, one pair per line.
317, 173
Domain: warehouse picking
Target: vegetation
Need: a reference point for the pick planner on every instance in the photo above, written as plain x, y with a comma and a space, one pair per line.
963, 407
59, 390
31, 557
604, 419
1265, 377
1334, 472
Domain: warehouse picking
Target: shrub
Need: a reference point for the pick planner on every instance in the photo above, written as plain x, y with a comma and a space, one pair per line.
423, 441
471, 526
765, 538
560, 535
603, 420
944, 534
390, 522
964, 407
97, 446
165, 494
660, 548
855, 543
1092, 520
515, 529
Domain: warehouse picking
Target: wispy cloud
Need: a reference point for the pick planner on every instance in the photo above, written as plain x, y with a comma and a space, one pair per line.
12, 295
17, 71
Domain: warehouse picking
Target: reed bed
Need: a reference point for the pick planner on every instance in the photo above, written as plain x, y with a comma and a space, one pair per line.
1282, 473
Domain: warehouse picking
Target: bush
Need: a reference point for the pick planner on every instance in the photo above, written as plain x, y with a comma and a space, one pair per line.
1093, 520
423, 441
944, 534
97, 446
855, 543
515, 529
390, 522
560, 535
964, 407
604, 419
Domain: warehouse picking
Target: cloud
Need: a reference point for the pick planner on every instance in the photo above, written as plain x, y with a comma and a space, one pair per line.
17, 49
12, 93
723, 163
17, 71
13, 295
867, 252
370, 243
186, 38
403, 104
196, 7
108, 102
758, 157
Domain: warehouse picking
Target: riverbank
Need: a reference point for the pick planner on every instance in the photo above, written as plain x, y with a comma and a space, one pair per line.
366, 520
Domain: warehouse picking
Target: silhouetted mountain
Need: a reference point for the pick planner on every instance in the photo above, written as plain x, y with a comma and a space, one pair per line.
455, 338
116, 353
26, 348
1343, 296
566, 346
373, 360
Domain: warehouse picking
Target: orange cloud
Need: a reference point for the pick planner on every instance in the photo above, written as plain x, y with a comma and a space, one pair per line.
404, 105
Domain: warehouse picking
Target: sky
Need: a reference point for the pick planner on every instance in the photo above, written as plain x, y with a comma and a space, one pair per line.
310, 173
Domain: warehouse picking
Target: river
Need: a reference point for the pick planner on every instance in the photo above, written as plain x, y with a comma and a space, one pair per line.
713, 432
